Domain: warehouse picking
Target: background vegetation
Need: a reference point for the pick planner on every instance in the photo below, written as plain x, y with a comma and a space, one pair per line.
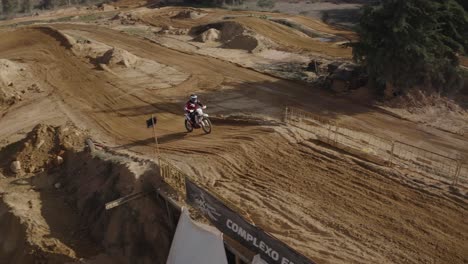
413, 43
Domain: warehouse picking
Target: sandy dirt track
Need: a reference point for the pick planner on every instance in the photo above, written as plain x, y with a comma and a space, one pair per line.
331, 207
250, 92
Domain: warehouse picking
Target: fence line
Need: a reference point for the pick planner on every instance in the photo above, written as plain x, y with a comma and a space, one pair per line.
173, 176
443, 168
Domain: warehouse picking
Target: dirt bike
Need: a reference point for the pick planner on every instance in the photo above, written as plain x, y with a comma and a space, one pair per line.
202, 121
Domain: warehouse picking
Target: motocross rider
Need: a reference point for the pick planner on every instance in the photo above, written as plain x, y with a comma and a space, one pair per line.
191, 106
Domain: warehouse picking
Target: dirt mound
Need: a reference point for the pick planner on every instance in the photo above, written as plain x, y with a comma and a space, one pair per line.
129, 18
85, 48
55, 216
26, 234
41, 148
188, 14
170, 30
107, 7
56, 34
228, 29
209, 35
244, 42
125, 65
136, 232
30, 232
233, 35
16, 82
10, 74
116, 56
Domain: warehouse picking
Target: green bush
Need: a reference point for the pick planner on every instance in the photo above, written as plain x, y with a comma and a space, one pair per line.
9, 6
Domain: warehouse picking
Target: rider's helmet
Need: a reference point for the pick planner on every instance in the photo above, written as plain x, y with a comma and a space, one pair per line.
193, 98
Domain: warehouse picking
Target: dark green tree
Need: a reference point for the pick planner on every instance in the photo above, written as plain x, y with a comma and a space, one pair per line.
412, 42
463, 3
9, 6
27, 6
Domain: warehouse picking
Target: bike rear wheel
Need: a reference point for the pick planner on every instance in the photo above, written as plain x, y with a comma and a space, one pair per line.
188, 126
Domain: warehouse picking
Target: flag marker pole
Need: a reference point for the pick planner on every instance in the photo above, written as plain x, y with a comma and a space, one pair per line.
157, 145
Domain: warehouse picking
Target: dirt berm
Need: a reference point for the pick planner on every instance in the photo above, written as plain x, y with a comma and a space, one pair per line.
189, 14
56, 213
232, 35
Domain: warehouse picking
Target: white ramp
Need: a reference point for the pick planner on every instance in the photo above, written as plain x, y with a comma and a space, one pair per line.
196, 243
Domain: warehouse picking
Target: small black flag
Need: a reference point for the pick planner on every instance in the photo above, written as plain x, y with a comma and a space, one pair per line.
151, 121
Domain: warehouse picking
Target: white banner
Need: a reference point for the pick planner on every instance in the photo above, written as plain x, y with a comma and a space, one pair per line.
196, 243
